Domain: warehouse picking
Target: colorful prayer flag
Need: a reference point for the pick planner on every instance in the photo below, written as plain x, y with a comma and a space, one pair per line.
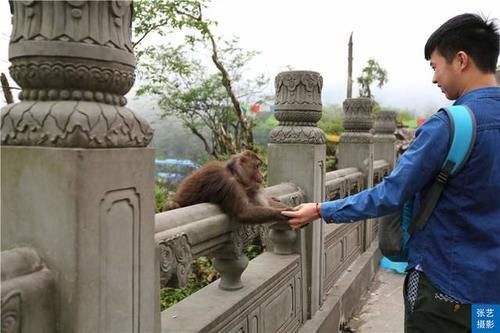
255, 107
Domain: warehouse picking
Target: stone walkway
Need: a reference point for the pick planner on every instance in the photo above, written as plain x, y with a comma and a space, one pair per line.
382, 310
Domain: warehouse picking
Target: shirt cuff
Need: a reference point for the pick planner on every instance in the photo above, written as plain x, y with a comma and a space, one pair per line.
329, 212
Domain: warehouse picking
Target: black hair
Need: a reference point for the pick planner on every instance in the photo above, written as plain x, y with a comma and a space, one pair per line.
470, 33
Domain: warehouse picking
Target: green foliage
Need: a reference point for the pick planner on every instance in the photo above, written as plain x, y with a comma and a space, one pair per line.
264, 123
163, 191
202, 274
330, 163
205, 99
331, 120
163, 17
254, 249
372, 72
160, 197
404, 116
331, 123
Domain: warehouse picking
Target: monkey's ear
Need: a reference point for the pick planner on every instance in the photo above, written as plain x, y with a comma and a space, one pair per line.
231, 165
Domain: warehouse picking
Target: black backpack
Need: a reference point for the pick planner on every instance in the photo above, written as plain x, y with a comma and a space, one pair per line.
395, 229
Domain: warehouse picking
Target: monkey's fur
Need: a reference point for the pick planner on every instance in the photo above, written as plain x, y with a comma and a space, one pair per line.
236, 186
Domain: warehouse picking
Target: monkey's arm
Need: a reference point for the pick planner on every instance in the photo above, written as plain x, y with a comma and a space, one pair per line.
275, 203
258, 214
235, 201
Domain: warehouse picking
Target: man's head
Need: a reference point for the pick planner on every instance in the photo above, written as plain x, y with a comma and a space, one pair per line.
463, 53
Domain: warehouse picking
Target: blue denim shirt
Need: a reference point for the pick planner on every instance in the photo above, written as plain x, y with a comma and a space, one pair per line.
459, 249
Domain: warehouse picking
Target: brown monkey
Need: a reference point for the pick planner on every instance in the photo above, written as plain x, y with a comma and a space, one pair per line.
236, 186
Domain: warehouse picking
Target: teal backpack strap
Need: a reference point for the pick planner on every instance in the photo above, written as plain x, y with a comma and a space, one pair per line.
462, 137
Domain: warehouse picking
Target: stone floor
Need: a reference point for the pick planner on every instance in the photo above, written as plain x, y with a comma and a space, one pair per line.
382, 310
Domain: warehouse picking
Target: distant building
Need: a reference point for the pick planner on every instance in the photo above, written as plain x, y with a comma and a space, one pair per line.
173, 170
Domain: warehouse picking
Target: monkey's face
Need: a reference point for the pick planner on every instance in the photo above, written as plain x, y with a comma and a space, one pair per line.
258, 177
250, 164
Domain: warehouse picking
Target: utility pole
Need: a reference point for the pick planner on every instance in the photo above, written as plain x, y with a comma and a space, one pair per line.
6, 89
349, 69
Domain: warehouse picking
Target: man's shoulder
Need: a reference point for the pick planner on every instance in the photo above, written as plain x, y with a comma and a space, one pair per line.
439, 121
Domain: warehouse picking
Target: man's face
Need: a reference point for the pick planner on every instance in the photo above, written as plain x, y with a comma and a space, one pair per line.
446, 75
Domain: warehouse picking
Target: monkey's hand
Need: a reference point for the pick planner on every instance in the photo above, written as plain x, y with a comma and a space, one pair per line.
302, 215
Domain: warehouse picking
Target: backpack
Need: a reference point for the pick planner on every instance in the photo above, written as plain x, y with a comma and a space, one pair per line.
395, 229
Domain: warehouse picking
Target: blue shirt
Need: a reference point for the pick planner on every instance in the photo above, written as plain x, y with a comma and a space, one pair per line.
459, 249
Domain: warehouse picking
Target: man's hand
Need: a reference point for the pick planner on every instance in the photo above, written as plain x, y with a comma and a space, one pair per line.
302, 215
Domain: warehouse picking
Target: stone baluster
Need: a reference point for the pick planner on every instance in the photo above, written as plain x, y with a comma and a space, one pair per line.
231, 261
297, 154
356, 145
88, 213
384, 138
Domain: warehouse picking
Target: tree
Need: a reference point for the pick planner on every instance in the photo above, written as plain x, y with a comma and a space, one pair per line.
186, 87
189, 91
371, 73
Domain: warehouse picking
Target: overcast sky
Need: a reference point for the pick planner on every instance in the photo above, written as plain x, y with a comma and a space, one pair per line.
313, 35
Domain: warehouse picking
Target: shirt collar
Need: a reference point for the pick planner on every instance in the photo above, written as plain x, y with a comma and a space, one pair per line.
479, 92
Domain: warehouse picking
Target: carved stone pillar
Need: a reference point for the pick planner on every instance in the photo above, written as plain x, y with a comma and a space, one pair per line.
384, 138
356, 147
297, 154
74, 63
356, 142
88, 213
298, 108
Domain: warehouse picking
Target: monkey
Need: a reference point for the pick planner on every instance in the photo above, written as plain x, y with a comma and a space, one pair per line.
236, 186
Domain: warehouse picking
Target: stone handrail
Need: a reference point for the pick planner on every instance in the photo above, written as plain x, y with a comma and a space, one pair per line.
28, 290
381, 168
343, 182
190, 232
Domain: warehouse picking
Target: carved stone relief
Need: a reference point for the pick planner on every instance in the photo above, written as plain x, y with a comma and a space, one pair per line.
175, 261
357, 114
11, 312
385, 122
78, 52
73, 124
298, 108
28, 292
102, 23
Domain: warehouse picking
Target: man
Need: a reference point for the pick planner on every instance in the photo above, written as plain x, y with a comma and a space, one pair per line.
455, 260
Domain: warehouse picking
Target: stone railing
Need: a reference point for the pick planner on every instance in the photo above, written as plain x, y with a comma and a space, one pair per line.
272, 280
343, 242
343, 182
187, 233
95, 252
278, 284
381, 168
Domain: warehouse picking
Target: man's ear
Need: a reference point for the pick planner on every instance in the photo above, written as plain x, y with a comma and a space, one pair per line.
463, 60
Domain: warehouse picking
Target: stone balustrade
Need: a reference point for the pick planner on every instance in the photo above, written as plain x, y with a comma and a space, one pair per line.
381, 168
343, 182
95, 227
199, 230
